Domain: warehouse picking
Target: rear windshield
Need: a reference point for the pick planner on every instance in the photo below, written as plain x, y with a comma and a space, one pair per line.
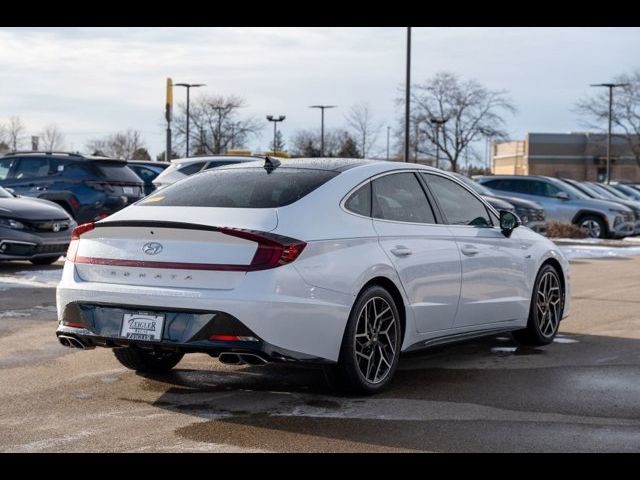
241, 188
115, 171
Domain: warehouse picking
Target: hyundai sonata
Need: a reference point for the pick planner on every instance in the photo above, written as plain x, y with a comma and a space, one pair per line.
346, 263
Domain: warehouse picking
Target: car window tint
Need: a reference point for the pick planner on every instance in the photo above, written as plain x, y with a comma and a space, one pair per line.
252, 187
115, 171
360, 201
31, 167
460, 207
219, 163
543, 189
144, 173
191, 168
5, 166
400, 197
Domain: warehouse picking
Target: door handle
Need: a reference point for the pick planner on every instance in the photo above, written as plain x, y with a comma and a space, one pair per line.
469, 250
401, 251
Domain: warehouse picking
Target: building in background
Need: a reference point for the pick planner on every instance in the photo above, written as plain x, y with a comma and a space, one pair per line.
581, 156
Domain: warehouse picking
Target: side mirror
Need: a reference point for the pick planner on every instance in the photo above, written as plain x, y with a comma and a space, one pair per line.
11, 191
508, 222
562, 195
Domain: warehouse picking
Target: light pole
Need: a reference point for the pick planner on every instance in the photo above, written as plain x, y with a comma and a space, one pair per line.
188, 86
438, 123
388, 130
407, 98
610, 86
322, 109
275, 121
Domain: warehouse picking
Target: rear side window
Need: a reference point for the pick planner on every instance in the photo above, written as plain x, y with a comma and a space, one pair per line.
400, 197
219, 163
191, 168
144, 173
31, 167
360, 201
241, 188
115, 171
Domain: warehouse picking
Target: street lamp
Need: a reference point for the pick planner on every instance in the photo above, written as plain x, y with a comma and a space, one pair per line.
188, 86
275, 121
438, 123
322, 109
610, 86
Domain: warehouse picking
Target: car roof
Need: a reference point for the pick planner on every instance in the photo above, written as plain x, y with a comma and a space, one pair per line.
337, 164
213, 158
149, 162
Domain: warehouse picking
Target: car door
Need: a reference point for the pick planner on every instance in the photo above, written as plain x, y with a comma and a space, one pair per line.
30, 176
556, 208
494, 287
423, 252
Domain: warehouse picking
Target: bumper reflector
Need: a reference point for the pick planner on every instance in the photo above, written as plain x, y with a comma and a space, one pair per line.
232, 338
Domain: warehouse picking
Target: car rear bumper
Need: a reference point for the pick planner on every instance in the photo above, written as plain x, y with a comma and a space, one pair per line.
281, 311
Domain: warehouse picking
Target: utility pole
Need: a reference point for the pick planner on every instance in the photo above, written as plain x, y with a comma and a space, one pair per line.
188, 86
168, 113
388, 130
610, 86
407, 98
322, 109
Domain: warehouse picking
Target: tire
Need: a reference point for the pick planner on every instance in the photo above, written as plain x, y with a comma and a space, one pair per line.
364, 335
44, 260
142, 361
544, 315
594, 226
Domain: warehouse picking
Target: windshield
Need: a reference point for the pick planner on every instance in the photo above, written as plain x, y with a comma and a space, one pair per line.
602, 192
615, 193
4, 193
475, 186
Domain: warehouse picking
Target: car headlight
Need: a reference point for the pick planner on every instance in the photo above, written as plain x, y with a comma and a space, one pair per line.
11, 223
619, 212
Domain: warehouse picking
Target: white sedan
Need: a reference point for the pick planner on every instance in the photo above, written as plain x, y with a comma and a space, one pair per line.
346, 263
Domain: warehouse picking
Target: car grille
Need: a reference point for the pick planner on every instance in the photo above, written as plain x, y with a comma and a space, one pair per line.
18, 249
628, 216
52, 248
48, 226
530, 214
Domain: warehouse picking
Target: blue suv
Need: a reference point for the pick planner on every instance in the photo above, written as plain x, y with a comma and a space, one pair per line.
88, 187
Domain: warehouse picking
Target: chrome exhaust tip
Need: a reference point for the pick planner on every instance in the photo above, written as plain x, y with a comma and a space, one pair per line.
230, 359
253, 359
71, 342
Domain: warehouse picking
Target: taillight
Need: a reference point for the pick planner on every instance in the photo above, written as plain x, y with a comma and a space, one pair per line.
273, 250
75, 239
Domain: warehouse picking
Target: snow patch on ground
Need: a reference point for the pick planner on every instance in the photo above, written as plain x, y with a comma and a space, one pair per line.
598, 251
30, 278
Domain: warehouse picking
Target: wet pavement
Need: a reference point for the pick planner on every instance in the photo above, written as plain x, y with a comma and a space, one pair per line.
582, 393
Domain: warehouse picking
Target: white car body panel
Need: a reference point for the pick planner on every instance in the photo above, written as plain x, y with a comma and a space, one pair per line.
304, 306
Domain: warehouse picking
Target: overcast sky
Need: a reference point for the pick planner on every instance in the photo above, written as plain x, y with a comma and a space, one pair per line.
95, 81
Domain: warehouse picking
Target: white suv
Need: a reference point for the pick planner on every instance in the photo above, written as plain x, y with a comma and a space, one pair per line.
183, 167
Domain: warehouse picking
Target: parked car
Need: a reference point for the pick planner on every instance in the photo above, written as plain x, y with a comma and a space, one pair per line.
593, 191
625, 190
531, 213
345, 263
87, 187
33, 229
147, 170
565, 204
181, 168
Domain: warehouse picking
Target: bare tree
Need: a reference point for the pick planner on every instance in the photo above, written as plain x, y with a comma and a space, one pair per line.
214, 124
363, 126
337, 143
51, 138
121, 145
625, 111
15, 132
472, 112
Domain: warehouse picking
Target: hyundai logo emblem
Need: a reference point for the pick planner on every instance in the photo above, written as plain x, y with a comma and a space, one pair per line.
152, 248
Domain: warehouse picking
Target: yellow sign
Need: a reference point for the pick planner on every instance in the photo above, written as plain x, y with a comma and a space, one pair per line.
169, 100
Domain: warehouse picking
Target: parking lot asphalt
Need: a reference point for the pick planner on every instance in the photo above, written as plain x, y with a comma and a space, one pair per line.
582, 393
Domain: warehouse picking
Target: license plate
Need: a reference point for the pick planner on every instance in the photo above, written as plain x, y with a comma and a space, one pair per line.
142, 326
128, 190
